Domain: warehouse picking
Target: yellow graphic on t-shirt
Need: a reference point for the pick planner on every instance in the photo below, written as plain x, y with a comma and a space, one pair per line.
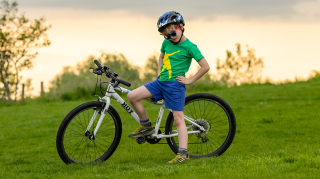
167, 64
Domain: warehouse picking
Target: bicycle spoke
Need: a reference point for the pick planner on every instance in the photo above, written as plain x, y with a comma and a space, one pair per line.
217, 116
98, 147
226, 120
199, 108
94, 149
106, 135
215, 142
221, 130
205, 117
214, 112
222, 125
191, 113
102, 139
83, 151
71, 138
88, 120
80, 121
103, 129
207, 113
205, 109
194, 109
78, 147
74, 136
80, 124
76, 132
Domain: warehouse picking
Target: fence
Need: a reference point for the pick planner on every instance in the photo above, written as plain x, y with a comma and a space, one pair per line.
23, 91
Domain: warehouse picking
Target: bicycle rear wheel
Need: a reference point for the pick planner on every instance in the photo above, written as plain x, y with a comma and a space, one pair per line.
76, 146
212, 113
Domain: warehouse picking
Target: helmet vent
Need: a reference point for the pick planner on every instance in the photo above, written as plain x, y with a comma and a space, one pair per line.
169, 18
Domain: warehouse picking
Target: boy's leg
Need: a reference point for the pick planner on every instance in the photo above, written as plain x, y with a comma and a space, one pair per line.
182, 136
134, 98
181, 127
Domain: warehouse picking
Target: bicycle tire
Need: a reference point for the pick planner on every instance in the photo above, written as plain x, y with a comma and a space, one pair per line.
220, 131
74, 146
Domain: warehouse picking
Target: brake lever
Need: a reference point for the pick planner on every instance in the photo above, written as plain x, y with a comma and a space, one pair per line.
96, 71
93, 70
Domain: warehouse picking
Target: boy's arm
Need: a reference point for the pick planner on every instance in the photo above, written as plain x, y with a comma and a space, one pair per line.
160, 62
203, 70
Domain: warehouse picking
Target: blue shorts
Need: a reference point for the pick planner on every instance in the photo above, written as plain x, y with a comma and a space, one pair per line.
173, 93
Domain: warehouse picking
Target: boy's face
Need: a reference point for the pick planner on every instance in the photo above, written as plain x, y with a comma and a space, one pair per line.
168, 30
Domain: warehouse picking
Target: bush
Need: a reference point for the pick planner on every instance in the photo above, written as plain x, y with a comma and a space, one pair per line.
239, 69
314, 75
79, 82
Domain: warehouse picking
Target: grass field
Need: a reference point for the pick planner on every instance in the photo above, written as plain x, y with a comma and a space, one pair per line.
277, 137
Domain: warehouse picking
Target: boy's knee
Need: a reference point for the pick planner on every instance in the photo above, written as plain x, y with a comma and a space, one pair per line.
178, 120
130, 97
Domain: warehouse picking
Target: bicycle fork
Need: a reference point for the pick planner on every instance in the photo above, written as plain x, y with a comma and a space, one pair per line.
103, 113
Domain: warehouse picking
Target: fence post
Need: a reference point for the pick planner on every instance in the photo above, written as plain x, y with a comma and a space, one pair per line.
8, 91
42, 92
22, 94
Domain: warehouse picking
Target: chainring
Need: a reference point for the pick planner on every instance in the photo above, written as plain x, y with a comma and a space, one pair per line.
153, 140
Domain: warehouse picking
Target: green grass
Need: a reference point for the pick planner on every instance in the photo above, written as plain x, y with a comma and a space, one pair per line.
277, 137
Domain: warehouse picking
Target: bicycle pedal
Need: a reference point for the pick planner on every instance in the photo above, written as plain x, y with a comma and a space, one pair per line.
141, 140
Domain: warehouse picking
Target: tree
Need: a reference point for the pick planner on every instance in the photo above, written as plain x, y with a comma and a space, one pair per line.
79, 81
19, 38
314, 75
151, 68
239, 69
120, 64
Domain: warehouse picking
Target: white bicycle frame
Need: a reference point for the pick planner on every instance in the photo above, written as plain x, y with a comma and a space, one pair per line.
111, 92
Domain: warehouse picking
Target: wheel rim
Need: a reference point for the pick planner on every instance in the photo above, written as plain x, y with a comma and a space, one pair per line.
208, 112
78, 146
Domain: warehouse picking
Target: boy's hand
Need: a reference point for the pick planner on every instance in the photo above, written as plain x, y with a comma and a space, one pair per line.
183, 80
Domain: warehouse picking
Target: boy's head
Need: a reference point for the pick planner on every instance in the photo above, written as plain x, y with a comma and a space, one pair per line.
171, 26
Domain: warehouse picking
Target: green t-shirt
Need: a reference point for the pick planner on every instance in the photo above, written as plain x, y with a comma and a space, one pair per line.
177, 59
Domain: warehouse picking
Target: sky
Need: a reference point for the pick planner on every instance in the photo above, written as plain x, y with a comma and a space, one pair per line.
284, 32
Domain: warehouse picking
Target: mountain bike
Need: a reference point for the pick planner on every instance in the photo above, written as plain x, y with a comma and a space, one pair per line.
92, 131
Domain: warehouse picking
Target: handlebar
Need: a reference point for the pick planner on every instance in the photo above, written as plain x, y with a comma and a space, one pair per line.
124, 82
104, 69
98, 64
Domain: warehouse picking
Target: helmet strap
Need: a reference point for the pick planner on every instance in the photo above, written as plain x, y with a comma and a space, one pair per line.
175, 43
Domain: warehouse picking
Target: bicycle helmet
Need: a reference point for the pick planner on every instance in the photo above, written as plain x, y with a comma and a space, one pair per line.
169, 18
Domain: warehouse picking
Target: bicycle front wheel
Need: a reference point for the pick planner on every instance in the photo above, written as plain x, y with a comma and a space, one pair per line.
75, 145
215, 116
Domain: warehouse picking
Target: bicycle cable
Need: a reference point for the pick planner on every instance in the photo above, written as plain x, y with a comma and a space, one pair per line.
95, 89
103, 90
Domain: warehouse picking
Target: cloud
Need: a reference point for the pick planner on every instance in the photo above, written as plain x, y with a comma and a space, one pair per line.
189, 9
311, 9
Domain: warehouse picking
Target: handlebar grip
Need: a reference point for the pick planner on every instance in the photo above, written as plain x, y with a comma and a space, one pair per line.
98, 64
124, 82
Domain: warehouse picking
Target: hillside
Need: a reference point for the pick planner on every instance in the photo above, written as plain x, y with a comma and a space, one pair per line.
277, 137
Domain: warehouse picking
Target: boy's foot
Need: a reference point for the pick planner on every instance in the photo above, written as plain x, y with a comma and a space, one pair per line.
179, 159
142, 131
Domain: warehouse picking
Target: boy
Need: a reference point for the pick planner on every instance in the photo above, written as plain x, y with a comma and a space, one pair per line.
174, 61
